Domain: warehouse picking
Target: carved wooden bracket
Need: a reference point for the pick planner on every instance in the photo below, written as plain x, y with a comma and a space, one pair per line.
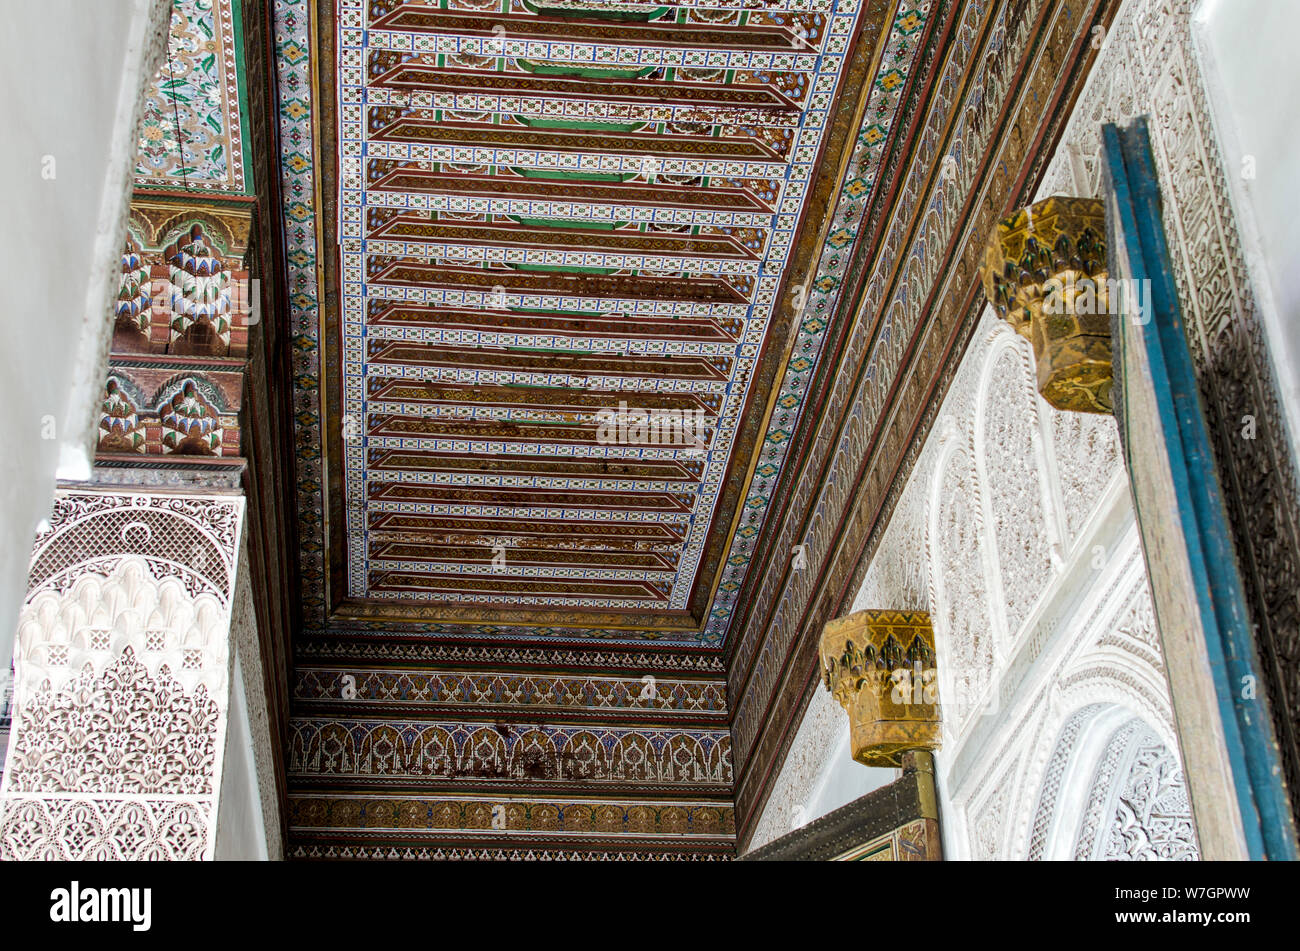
1045, 274
174, 391
880, 666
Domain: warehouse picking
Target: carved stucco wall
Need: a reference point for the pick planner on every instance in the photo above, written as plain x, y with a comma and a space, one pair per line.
1016, 532
249, 825
1246, 48
1150, 66
1010, 560
1113, 790
122, 673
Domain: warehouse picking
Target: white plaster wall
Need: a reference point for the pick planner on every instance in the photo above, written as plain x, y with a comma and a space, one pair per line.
241, 832
73, 73
844, 779
1252, 74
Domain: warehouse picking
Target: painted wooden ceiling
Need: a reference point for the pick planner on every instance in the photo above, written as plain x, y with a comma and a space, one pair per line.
529, 627
504, 223
577, 259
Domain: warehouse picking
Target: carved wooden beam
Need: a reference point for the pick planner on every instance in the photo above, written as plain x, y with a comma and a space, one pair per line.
173, 394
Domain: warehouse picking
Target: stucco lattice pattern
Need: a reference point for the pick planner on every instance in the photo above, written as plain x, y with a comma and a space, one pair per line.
103, 830
122, 672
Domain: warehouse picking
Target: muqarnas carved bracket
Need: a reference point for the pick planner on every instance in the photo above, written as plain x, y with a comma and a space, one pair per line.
880, 666
174, 389
1045, 274
170, 410
183, 300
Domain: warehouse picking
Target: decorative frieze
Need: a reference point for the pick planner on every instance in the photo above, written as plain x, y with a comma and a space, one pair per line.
171, 408
387, 752
425, 690
488, 816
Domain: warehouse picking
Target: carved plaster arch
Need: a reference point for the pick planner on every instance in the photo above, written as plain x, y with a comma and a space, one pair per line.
1099, 688
210, 392
157, 236
1096, 674
193, 539
1113, 790
120, 638
129, 609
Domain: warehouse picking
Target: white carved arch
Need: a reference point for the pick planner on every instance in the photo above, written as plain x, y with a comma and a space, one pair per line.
60, 634
1066, 785
1120, 660
1095, 675
1094, 688
123, 679
191, 538
969, 656
122, 690
1113, 789
1113, 674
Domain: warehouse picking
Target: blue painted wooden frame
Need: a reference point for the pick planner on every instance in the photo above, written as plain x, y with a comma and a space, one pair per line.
1133, 196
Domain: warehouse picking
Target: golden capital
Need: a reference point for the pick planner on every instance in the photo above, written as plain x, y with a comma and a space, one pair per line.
1045, 274
880, 666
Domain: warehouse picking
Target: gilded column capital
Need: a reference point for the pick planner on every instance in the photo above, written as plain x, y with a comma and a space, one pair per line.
1045, 274
880, 666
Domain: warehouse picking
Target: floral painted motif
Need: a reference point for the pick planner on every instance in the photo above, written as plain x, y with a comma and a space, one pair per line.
190, 129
